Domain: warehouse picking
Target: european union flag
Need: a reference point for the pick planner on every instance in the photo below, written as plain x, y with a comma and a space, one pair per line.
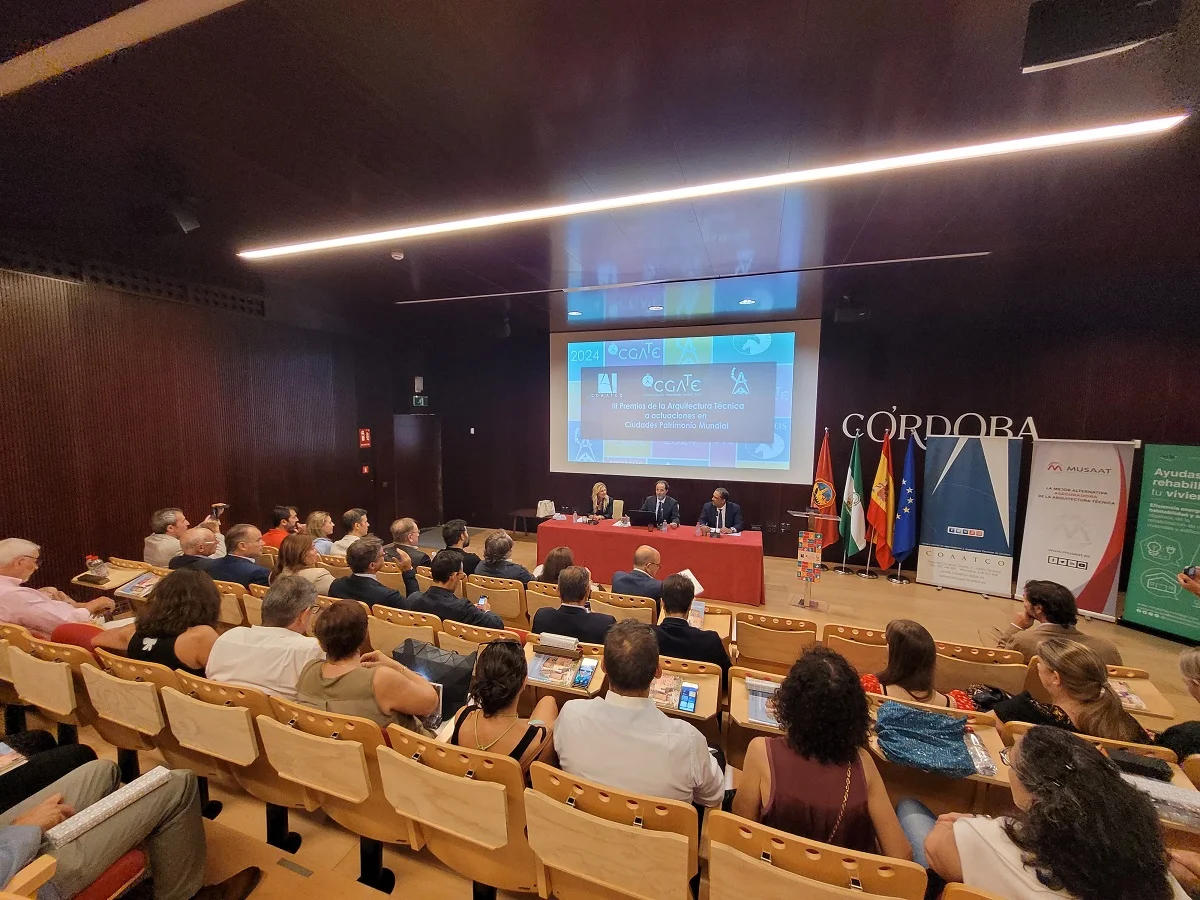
904, 541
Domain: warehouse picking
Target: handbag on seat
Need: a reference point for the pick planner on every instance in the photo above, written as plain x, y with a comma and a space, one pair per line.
924, 740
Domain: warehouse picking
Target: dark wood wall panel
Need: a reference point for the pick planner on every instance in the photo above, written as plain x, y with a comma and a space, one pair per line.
115, 405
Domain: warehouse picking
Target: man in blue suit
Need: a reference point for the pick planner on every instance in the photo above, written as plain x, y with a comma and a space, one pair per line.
665, 508
641, 581
365, 558
721, 514
244, 544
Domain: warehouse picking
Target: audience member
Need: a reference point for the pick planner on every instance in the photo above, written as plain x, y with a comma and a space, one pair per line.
601, 505
678, 638
1080, 831
198, 546
1081, 699
1184, 738
284, 521
271, 656
721, 514
665, 509
298, 556
819, 781
370, 685
497, 550
168, 526
240, 565
45, 763
166, 822
176, 628
911, 667
356, 525
1189, 584
624, 740
405, 535
441, 601
571, 618
491, 721
556, 560
1049, 611
641, 581
457, 537
365, 559
319, 524
41, 611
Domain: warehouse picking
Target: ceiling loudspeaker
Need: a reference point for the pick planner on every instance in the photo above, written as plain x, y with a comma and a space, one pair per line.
1065, 32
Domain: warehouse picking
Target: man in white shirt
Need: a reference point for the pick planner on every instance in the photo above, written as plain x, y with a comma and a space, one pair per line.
169, 526
356, 525
625, 741
41, 611
270, 656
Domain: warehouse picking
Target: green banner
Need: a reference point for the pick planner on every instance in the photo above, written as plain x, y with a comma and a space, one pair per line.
1168, 540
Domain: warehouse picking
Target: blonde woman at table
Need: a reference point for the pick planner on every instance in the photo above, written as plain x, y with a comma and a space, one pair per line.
819, 780
1080, 831
601, 506
1081, 699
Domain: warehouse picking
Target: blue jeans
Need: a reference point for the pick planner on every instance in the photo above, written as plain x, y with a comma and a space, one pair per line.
916, 821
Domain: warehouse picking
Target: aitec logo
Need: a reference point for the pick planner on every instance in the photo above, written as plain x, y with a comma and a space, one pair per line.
606, 383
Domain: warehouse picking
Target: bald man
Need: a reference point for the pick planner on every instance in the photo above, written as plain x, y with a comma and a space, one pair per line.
199, 545
641, 582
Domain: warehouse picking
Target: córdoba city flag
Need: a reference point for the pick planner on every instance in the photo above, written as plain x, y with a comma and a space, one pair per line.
824, 497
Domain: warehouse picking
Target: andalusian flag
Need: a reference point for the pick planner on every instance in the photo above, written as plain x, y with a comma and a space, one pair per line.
881, 514
824, 497
853, 526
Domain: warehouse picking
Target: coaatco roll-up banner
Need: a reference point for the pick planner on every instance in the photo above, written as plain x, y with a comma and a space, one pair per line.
969, 507
1075, 519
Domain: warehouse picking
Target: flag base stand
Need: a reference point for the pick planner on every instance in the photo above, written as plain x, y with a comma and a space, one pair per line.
842, 570
866, 574
898, 579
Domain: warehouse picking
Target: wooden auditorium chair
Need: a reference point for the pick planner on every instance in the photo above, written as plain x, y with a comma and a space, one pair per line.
623, 606
468, 806
389, 627
962, 892
465, 639
746, 859
1033, 683
538, 595
1015, 729
127, 871
961, 665
389, 575
596, 841
128, 563
771, 643
864, 648
506, 596
424, 578
232, 611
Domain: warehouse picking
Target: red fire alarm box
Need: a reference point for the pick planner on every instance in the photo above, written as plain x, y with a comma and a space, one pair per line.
364, 438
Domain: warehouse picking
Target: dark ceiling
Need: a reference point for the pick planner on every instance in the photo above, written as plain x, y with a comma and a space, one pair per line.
287, 119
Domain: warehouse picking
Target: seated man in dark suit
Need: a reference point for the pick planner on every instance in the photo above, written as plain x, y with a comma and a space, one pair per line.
455, 534
365, 558
665, 509
405, 535
641, 581
199, 545
681, 640
441, 601
572, 619
721, 514
496, 564
244, 545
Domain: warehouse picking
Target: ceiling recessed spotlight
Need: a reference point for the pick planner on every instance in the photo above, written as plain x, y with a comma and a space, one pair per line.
575, 312
655, 308
746, 301
397, 255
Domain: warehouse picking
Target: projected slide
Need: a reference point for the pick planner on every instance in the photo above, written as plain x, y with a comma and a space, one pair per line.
702, 401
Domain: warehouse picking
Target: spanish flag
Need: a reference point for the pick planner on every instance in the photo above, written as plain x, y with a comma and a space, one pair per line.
881, 513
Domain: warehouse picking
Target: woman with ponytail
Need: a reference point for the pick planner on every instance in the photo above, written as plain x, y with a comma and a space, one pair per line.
1080, 831
1081, 698
490, 720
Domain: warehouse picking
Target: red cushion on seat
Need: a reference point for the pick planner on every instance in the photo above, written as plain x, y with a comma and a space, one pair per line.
78, 633
116, 877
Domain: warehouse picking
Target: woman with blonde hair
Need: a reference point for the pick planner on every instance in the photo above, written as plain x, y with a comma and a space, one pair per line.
601, 506
1081, 699
298, 556
319, 524
1184, 738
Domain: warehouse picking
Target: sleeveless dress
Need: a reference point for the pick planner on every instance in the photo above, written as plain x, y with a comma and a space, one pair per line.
158, 649
349, 694
808, 798
532, 733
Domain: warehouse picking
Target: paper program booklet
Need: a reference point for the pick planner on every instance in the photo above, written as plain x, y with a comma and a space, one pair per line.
556, 670
665, 691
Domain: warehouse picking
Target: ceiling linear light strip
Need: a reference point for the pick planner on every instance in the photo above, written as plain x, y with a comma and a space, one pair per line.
801, 176
630, 284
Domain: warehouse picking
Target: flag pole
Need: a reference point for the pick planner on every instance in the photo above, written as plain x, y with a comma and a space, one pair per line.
867, 573
898, 578
842, 569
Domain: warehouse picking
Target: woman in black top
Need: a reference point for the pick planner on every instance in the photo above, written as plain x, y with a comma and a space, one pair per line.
601, 506
491, 722
176, 627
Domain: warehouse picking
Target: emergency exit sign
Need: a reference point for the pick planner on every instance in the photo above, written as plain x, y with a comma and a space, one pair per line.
420, 400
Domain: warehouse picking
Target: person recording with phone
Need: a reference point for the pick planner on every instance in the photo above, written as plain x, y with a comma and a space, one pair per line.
1189, 580
168, 526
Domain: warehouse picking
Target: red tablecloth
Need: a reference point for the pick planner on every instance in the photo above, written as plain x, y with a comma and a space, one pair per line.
729, 568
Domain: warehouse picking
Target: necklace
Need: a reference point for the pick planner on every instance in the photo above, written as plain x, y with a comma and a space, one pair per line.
478, 716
